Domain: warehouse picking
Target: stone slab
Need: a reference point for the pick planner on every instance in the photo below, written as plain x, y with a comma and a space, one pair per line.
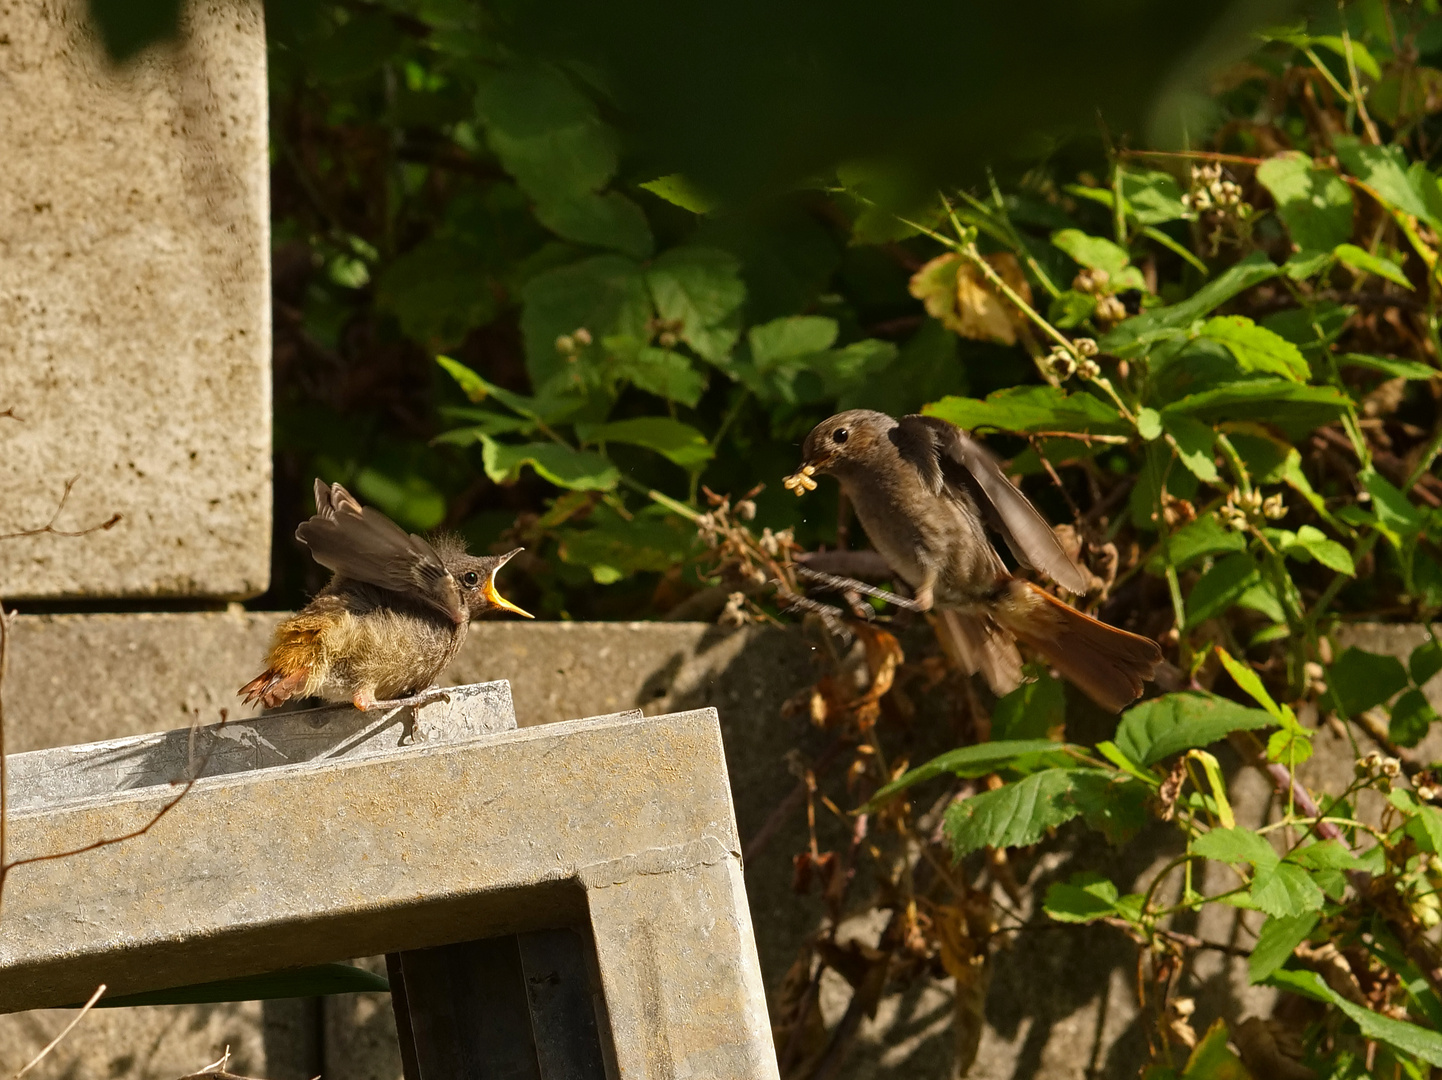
1061, 1003
135, 305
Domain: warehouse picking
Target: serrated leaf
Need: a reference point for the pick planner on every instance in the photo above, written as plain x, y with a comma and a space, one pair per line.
1082, 899
1256, 348
791, 338
607, 296
1384, 170
980, 760
1251, 684
1212, 1058
1412, 716
1114, 805
1285, 890
1167, 725
1394, 510
438, 291
1031, 710
1361, 679
1271, 400
1220, 587
1149, 423
1095, 252
1014, 815
603, 219
1409, 1038
1236, 846
1324, 855
1195, 540
1030, 408
1135, 335
662, 372
1313, 202
1195, 445
677, 442
1279, 936
701, 289
1363, 260
1152, 198
578, 470
613, 548
1326, 551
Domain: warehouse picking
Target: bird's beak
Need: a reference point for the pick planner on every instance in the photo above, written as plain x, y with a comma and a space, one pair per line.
494, 598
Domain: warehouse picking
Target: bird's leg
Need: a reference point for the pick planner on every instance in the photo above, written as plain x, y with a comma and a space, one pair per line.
365, 700
845, 585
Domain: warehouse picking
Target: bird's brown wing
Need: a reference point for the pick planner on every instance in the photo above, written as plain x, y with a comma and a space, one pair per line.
363, 544
946, 456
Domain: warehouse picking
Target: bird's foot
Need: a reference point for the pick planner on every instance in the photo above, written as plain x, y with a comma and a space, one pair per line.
365, 702
851, 585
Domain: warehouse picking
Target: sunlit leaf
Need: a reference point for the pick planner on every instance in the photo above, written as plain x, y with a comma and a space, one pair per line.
678, 442
1360, 259
1014, 815
1167, 725
1257, 348
1313, 202
1084, 898
1279, 936
578, 470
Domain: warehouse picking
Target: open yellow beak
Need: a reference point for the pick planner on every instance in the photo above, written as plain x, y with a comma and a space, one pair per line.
497, 600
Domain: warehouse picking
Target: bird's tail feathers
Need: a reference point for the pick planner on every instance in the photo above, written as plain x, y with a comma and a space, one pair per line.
975, 643
1109, 664
294, 657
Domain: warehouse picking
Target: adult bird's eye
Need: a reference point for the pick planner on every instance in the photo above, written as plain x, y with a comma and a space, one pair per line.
470, 579
839, 435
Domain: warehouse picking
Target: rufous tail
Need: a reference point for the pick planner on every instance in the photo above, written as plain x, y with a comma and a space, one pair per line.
293, 658
1110, 665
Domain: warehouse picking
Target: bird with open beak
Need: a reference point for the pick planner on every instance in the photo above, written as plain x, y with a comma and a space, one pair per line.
393, 615
927, 494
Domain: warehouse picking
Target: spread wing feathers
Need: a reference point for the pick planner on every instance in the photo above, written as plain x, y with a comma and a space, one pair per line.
363, 544
945, 455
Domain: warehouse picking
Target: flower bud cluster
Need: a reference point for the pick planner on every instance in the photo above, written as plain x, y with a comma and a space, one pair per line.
1389, 767
569, 345
1243, 508
1211, 192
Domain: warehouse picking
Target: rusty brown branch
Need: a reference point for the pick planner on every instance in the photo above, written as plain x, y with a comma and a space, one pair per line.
49, 529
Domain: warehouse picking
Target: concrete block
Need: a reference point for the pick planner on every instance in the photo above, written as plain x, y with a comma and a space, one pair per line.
135, 305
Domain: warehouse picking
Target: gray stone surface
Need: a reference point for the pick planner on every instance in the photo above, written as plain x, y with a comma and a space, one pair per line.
134, 305
1061, 1003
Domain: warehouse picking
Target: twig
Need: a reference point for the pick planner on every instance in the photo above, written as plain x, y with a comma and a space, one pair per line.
67, 1030
9, 414
49, 527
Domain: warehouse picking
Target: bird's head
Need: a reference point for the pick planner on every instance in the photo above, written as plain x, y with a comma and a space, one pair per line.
476, 576
847, 437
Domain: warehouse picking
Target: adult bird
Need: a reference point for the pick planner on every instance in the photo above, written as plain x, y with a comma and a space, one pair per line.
927, 494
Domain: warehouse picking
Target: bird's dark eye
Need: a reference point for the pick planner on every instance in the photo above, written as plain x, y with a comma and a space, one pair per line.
839, 435
470, 579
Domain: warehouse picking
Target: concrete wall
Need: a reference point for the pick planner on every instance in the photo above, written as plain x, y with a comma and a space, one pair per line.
1061, 1000
135, 305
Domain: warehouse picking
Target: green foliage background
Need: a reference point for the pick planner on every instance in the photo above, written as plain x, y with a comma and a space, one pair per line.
546, 275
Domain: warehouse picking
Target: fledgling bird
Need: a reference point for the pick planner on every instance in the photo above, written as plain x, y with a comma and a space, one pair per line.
390, 619
926, 492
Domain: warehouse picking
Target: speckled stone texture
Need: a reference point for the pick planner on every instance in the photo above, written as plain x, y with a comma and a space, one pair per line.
134, 305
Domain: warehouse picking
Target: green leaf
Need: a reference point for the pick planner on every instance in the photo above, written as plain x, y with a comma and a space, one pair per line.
1195, 445
980, 760
1134, 336
1099, 254
1212, 1058
1314, 203
1015, 815
1425, 662
1398, 1034
438, 291
1167, 725
681, 192
1257, 348
678, 442
1384, 170
661, 372
701, 289
1390, 366
578, 470
1149, 423
1395, 512
1031, 710
1152, 198
1236, 846
1220, 587
1360, 259
1325, 855
606, 296
1030, 408
1363, 679
1115, 806
317, 981
1275, 401
1248, 680
1084, 898
1285, 890
1196, 540
608, 220
1329, 553
1412, 715
790, 338
614, 548
547, 408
